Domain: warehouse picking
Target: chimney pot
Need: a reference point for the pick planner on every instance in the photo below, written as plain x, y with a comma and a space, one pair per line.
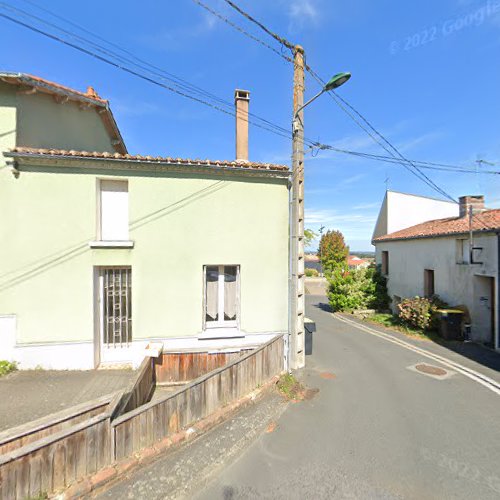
242, 102
91, 92
474, 201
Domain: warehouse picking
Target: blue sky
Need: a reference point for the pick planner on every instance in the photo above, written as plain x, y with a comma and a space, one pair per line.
425, 73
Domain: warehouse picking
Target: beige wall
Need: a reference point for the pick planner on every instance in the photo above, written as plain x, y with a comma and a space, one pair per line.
178, 223
455, 283
37, 120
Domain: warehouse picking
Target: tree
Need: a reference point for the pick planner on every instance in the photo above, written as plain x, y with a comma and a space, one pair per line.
333, 252
309, 237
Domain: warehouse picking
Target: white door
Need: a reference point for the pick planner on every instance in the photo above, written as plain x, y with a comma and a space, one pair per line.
221, 296
115, 313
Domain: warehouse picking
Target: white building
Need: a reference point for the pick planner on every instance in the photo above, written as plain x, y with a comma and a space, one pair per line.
401, 210
439, 257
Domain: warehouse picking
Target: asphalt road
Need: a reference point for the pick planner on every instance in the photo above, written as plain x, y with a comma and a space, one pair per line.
376, 429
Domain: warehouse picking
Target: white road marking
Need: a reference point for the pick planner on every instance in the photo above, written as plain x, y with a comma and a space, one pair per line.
485, 381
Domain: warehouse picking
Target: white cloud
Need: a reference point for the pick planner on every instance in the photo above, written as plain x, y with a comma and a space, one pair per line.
302, 12
328, 217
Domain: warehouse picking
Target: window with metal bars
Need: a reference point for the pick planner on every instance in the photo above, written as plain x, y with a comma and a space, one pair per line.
116, 296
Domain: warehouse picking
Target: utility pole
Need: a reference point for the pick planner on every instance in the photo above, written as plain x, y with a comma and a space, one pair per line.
297, 288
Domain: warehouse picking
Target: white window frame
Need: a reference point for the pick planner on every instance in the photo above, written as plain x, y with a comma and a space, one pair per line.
112, 242
463, 251
221, 323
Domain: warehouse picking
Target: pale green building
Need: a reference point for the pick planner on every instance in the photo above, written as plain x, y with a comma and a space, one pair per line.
104, 252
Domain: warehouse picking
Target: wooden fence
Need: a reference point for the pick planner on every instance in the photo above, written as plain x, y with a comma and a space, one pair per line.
156, 420
55, 462
22, 435
52, 453
183, 367
140, 390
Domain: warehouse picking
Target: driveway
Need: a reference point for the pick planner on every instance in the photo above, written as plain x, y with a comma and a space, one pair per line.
377, 429
27, 395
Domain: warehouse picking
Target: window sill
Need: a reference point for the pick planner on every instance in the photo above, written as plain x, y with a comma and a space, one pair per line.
221, 333
111, 244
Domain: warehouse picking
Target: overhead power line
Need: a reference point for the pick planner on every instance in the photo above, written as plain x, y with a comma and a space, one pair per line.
422, 164
241, 30
391, 149
266, 125
274, 35
185, 88
388, 146
142, 64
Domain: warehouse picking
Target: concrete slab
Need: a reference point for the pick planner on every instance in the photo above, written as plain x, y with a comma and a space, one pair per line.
31, 394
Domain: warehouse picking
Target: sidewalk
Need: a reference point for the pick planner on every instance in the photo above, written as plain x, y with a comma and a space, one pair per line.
27, 395
184, 472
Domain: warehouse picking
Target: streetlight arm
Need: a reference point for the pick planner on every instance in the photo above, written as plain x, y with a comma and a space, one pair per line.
307, 103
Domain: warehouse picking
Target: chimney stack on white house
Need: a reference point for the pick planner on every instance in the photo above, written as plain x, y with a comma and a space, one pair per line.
474, 201
241, 102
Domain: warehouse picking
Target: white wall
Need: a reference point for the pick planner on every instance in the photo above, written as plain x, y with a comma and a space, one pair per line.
401, 210
457, 284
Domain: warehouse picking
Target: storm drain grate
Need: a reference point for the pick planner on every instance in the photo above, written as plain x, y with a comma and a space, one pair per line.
432, 371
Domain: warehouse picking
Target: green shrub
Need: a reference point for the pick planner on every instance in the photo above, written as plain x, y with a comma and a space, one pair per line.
378, 297
357, 289
347, 291
311, 273
420, 312
7, 367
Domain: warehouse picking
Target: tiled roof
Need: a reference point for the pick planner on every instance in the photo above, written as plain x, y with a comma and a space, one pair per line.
488, 220
62, 153
51, 87
354, 260
89, 98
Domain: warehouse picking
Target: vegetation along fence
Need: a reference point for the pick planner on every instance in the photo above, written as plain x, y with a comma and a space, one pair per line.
50, 454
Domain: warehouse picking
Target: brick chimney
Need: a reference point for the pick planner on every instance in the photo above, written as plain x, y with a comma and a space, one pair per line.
241, 102
476, 202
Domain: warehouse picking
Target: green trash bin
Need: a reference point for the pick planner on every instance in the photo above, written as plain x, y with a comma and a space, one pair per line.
450, 323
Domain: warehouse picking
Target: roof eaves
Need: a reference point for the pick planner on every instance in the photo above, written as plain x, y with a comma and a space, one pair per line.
385, 239
134, 162
57, 89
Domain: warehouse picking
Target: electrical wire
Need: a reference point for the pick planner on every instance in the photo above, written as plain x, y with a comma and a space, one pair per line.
410, 166
177, 81
241, 30
274, 35
186, 86
273, 129
406, 163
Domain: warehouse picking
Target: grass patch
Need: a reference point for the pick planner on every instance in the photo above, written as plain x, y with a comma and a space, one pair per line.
290, 387
40, 496
7, 367
393, 322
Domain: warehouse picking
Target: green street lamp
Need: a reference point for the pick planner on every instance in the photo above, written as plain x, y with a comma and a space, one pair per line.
334, 83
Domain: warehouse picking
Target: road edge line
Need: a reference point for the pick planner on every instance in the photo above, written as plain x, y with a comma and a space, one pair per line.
478, 377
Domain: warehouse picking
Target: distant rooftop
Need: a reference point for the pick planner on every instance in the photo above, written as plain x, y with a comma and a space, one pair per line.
486, 221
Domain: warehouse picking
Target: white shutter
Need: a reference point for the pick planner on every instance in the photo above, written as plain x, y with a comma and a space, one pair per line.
114, 210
